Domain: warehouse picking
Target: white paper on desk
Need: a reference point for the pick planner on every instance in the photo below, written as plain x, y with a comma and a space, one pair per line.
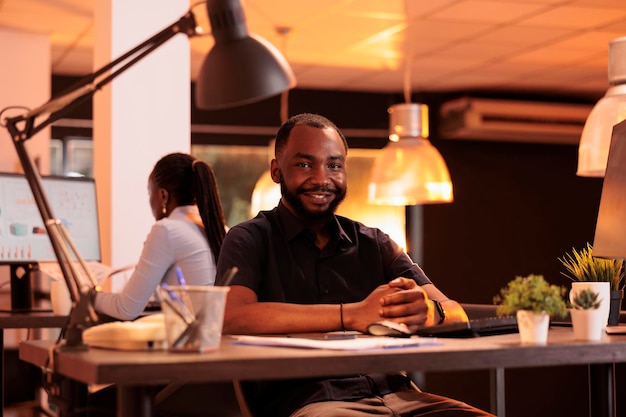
359, 343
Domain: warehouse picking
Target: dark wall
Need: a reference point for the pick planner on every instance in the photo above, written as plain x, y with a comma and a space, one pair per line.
346, 109
517, 208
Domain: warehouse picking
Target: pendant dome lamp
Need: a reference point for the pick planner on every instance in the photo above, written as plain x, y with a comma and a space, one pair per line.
409, 170
595, 141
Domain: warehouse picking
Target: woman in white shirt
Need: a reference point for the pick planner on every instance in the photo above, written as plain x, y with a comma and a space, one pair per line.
188, 234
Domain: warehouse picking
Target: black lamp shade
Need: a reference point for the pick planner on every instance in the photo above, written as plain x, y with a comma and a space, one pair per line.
240, 68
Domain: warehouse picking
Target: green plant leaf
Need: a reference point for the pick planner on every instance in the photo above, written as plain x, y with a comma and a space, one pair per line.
586, 299
533, 293
583, 266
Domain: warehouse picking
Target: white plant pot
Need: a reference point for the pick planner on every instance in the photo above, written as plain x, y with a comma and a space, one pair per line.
533, 327
587, 324
604, 295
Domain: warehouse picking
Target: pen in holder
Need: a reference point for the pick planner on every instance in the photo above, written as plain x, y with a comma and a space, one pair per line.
183, 285
178, 307
194, 316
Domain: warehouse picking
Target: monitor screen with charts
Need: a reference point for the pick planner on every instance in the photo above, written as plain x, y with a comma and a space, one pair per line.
23, 236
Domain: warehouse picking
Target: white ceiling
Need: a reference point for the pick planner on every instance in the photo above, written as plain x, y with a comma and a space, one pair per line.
551, 46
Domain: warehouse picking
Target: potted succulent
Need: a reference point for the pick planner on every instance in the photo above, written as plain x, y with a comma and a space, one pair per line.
605, 275
586, 299
587, 318
533, 300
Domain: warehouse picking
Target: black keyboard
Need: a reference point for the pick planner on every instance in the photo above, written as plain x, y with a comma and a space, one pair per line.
487, 326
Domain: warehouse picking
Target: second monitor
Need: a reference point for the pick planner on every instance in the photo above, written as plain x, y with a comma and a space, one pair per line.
23, 237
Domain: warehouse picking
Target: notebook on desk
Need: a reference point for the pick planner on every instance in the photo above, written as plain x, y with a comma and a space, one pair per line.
486, 326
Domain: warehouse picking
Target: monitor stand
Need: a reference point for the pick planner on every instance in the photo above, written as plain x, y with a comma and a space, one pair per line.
21, 287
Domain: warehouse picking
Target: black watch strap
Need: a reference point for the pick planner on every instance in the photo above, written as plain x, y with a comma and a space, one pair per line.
440, 310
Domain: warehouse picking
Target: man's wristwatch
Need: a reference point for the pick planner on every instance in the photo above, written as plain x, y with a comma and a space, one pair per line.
440, 310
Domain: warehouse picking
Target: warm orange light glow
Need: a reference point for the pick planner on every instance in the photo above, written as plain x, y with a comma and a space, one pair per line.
266, 194
389, 219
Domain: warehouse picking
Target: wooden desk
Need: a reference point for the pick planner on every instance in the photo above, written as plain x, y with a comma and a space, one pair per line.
23, 320
133, 371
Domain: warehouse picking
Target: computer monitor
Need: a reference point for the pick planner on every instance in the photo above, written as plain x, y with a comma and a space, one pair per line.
23, 238
610, 236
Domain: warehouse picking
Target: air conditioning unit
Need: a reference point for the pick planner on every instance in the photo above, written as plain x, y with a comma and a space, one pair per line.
512, 121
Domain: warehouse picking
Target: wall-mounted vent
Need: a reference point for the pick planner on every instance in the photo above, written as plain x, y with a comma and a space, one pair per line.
512, 121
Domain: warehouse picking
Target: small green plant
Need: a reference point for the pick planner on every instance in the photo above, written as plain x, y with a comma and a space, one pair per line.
531, 293
586, 299
583, 266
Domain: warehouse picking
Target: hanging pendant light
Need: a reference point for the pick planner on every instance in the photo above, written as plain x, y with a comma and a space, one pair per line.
593, 149
409, 170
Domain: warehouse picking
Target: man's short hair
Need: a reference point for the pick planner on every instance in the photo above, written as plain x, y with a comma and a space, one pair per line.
308, 119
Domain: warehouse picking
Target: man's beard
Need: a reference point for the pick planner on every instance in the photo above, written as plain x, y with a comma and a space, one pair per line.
302, 211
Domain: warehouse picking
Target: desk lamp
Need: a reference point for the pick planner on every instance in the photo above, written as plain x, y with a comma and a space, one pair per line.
248, 69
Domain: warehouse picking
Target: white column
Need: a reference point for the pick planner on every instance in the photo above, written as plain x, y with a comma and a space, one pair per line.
24, 81
141, 116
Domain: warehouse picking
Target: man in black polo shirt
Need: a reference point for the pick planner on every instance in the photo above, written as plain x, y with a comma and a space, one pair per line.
304, 269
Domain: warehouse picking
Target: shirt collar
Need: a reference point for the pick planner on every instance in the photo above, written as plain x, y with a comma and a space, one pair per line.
294, 227
182, 211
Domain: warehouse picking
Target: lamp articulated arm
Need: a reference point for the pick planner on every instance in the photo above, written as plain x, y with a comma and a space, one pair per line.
23, 127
